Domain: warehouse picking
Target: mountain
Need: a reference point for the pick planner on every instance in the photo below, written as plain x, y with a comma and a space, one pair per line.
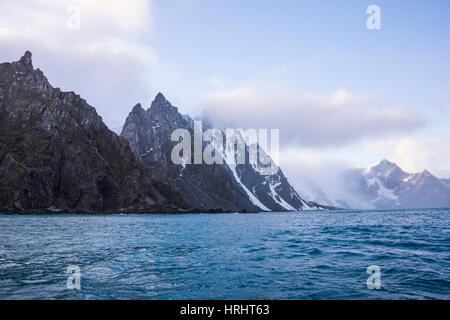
204, 187
268, 189
384, 185
226, 186
387, 186
56, 154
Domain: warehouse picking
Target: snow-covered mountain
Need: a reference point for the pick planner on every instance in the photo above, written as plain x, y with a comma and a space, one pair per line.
243, 187
224, 187
268, 192
384, 185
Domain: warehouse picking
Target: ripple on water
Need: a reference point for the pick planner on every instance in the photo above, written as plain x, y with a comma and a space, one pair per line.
303, 255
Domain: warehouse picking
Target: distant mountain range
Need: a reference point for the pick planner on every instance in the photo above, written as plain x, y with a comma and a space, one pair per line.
385, 185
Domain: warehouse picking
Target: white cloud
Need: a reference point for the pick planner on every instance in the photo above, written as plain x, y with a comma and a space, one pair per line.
415, 155
306, 171
309, 120
321, 179
107, 60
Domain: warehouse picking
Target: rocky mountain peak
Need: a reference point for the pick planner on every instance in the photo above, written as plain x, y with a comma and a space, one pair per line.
26, 60
388, 172
161, 105
384, 168
21, 74
160, 97
383, 164
137, 109
160, 101
224, 186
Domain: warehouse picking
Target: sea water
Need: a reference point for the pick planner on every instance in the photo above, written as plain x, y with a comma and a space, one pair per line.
297, 255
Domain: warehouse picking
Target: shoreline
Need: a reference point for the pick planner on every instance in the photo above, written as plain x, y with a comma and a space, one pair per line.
123, 212
137, 212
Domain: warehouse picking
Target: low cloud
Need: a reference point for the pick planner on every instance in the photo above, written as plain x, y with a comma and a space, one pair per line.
307, 120
308, 171
321, 179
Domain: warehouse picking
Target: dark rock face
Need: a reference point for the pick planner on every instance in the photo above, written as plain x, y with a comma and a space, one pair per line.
56, 154
205, 187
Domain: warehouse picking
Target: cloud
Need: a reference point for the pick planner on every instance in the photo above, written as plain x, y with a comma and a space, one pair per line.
106, 60
415, 155
308, 171
307, 120
321, 179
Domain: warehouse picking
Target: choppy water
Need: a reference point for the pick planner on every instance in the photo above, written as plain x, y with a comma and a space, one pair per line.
304, 255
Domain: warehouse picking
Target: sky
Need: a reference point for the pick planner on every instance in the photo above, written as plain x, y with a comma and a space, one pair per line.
341, 94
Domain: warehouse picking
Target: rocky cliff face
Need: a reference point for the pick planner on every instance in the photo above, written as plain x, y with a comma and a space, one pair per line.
226, 187
56, 154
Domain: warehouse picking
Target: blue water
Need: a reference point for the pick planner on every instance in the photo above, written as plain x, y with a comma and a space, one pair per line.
303, 255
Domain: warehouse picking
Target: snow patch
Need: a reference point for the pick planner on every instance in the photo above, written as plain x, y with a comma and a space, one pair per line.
382, 190
279, 199
251, 196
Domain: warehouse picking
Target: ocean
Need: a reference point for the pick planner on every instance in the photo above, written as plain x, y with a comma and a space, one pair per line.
298, 255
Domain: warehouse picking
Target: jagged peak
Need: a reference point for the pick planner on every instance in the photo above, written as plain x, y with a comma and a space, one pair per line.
161, 104
138, 108
160, 97
420, 177
384, 162
384, 168
26, 59
381, 163
137, 113
426, 173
